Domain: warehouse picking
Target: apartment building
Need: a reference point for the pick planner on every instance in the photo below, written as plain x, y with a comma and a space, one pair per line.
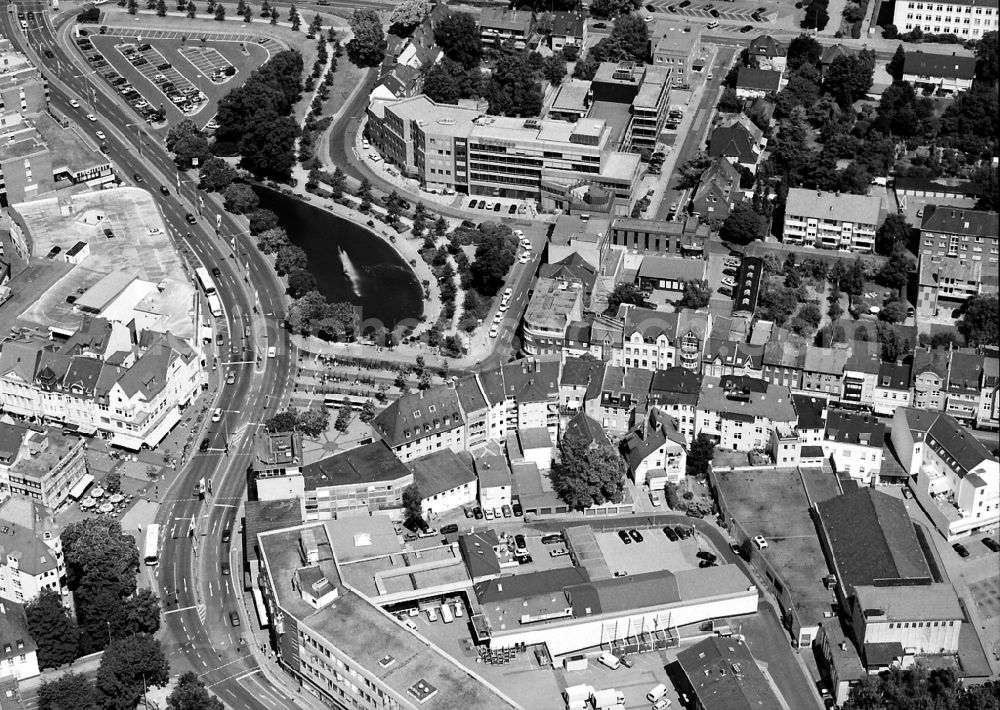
962, 392
957, 232
687, 237
946, 282
25, 161
498, 25
103, 381
446, 481
930, 377
860, 375
830, 220
969, 19
346, 650
579, 381
45, 465
853, 443
940, 72
655, 451
554, 304
418, 424
988, 416
823, 370
275, 470
675, 391
18, 657
31, 557
956, 479
718, 191
892, 387
676, 47
654, 340
623, 399
461, 149
367, 478
783, 362
638, 95
757, 83
742, 412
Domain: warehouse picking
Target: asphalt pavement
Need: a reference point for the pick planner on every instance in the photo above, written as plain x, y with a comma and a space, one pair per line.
196, 596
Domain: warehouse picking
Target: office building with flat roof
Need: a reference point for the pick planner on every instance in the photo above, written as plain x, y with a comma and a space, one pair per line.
554, 304
25, 162
676, 47
369, 477
968, 19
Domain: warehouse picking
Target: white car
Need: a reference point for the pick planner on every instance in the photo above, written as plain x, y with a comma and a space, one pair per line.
731, 262
503, 307
365, 144
91, 117
519, 234
100, 135
410, 625
524, 258
526, 245
759, 542
375, 157
729, 281
217, 415
74, 103
494, 331
508, 292
498, 318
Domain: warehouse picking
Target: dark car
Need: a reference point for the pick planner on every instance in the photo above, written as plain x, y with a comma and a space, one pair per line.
735, 549
683, 532
191, 219
706, 563
625, 661
960, 549
524, 559
448, 529
746, 28
164, 190
497, 206
635, 535
553, 539
225, 569
652, 8
714, 13
473, 204
234, 618
623, 535
600, 26
203, 446
216, 271
227, 535
704, 555
725, 291
145, 47
991, 544
518, 510
138, 178
477, 513
164, 66
512, 209
520, 543
671, 535
49, 54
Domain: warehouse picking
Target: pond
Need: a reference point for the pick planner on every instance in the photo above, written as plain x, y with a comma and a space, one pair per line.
350, 263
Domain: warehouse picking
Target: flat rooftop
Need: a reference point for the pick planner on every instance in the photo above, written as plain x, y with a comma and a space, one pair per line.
368, 635
551, 305
68, 151
370, 463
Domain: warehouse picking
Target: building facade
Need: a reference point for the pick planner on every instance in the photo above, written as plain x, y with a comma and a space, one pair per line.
832, 221
958, 232
969, 19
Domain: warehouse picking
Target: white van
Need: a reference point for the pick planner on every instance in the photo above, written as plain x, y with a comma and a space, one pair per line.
656, 693
431, 614
610, 660
446, 614
272, 351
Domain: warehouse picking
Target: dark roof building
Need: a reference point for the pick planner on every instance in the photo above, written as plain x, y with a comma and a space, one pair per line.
414, 416
758, 80
586, 428
718, 188
941, 219
367, 464
723, 675
675, 385
440, 471
945, 66
869, 539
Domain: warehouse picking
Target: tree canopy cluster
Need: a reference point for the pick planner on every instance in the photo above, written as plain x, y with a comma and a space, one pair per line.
588, 473
979, 320
312, 422
629, 40
312, 311
255, 119
188, 144
918, 688
367, 47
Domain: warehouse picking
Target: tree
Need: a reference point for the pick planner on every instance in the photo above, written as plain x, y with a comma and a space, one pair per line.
282, 422
187, 142
190, 694
895, 66
267, 148
447, 81
220, 13
113, 481
605, 9
300, 282
512, 89
807, 319
696, 294
700, 455
367, 48
625, 293
893, 345
343, 419
161, 8
337, 183
803, 49
588, 473
494, 257
893, 312
53, 629
988, 58
848, 78
192, 10
216, 175
127, 666
459, 38
917, 687
407, 15
413, 510
289, 258
816, 16
631, 33
586, 68
141, 614
979, 320
742, 226
271, 240
70, 690
670, 493
367, 411
262, 220
895, 273
691, 171
274, 16
240, 198
314, 421
554, 69
894, 231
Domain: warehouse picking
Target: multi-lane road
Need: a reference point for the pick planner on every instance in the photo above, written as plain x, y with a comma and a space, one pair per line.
197, 597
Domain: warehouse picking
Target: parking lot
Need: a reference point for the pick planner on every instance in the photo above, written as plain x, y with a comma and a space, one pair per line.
732, 12
171, 78
654, 553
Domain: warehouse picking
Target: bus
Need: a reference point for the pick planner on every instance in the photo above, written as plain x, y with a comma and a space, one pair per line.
152, 554
215, 305
205, 280
446, 613
258, 605
336, 401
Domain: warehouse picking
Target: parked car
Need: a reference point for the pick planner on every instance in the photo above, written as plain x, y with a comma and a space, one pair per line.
448, 529
991, 544
553, 539
507, 512
520, 543
558, 552
517, 509
624, 537
234, 618
683, 531
635, 535
705, 555
759, 542
669, 532
960, 549
204, 445
477, 513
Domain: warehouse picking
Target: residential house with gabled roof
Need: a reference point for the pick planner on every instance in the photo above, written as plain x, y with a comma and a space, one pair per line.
498, 25
568, 29
930, 377
607, 338
946, 282
718, 190
725, 357
531, 389
853, 443
742, 413
754, 83
823, 370
18, 651
783, 361
649, 338
586, 429
693, 330
765, 52
481, 426
939, 72
988, 415
623, 399
811, 422
861, 374
675, 391
740, 142
654, 450
892, 387
31, 556
956, 479
401, 81
962, 392
580, 382
420, 423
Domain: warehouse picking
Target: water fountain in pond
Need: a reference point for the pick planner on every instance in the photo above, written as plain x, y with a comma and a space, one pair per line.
350, 272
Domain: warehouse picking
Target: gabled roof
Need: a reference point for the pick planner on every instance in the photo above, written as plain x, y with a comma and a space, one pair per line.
733, 354
581, 371
534, 380
785, 353
943, 66
893, 376
366, 464
650, 323
414, 416
759, 79
854, 428
470, 395
572, 268
810, 411
831, 52
148, 376
21, 358
83, 374
965, 371
829, 361
725, 676
942, 219
767, 46
655, 430
568, 24
733, 142
439, 472
672, 267
840, 207
934, 360
503, 19
586, 428
675, 385
956, 445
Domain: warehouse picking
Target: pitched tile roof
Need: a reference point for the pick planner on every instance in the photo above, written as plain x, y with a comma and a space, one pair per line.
942, 219
414, 416
760, 79
944, 66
